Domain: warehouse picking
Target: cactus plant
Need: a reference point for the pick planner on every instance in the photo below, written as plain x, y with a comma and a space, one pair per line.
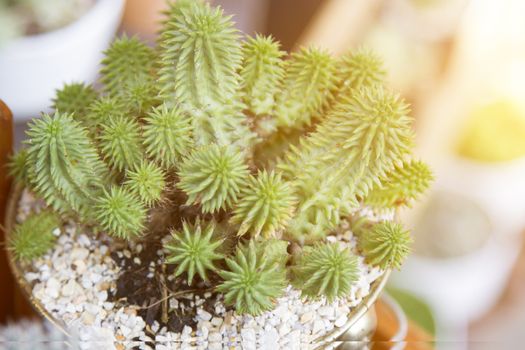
385, 244
34, 237
251, 282
168, 149
326, 269
194, 250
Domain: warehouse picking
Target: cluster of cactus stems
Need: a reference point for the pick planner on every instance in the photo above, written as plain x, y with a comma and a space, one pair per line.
248, 157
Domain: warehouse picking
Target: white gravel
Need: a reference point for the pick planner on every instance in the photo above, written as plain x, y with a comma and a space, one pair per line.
74, 280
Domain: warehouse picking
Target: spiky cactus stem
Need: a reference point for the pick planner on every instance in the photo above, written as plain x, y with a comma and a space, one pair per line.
309, 81
74, 98
120, 213
167, 135
350, 151
34, 237
326, 270
126, 62
262, 72
265, 206
68, 173
200, 58
402, 185
385, 244
194, 250
251, 283
213, 177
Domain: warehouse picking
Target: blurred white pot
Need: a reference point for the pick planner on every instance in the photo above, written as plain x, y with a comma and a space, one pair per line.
497, 188
32, 67
461, 288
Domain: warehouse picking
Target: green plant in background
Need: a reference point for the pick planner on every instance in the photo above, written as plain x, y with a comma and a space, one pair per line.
173, 134
34, 237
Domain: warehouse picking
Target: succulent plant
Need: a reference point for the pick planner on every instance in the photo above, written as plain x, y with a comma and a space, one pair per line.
360, 69
213, 176
271, 152
103, 108
385, 244
120, 213
351, 149
120, 142
309, 81
265, 206
194, 249
251, 283
67, 171
34, 237
401, 185
147, 181
75, 99
127, 61
262, 73
328, 270
200, 57
167, 135
18, 167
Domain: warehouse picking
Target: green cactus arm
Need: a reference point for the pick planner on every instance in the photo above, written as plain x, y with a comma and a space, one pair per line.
120, 143
34, 237
101, 109
167, 136
359, 69
309, 81
327, 270
213, 177
200, 57
140, 96
250, 283
120, 213
385, 244
146, 181
349, 152
261, 74
18, 167
401, 185
75, 99
194, 250
274, 251
68, 173
265, 205
126, 61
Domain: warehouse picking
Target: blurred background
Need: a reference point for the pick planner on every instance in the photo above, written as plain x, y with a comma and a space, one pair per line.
460, 63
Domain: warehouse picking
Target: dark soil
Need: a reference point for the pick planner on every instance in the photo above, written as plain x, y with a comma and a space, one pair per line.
150, 285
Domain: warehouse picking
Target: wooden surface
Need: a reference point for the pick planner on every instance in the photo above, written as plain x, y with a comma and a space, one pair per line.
6, 142
387, 327
12, 303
